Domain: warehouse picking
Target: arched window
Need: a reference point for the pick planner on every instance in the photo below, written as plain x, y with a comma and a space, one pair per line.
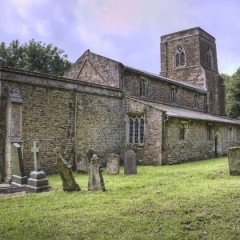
130, 130
143, 88
136, 130
173, 95
180, 57
209, 58
184, 130
141, 130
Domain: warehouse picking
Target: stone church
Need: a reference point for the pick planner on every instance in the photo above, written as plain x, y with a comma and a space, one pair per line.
100, 103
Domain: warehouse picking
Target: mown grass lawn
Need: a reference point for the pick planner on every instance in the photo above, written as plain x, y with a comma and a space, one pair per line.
198, 200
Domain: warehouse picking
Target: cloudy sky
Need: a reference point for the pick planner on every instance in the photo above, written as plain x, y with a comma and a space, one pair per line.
124, 30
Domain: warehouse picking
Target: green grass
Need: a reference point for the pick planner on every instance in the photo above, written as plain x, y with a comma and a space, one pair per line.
198, 200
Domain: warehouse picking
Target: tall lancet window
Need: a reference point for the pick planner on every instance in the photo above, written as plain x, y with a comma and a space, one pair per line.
180, 57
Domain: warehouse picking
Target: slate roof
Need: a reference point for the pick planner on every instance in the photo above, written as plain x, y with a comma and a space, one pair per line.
179, 112
180, 83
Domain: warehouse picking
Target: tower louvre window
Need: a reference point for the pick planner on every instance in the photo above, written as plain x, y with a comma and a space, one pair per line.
180, 58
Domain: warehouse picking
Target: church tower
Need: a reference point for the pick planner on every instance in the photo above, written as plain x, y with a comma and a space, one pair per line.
191, 56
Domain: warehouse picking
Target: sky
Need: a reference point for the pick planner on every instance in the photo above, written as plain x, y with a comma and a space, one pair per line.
127, 31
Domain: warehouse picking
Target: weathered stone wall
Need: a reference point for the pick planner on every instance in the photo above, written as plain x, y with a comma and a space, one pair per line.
100, 125
48, 118
3, 103
196, 146
94, 68
221, 97
49, 114
206, 44
149, 153
161, 91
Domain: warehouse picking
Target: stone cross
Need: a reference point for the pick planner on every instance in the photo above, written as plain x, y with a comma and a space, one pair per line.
35, 149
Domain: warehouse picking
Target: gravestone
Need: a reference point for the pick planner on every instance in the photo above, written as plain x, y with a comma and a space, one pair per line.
18, 177
113, 164
64, 169
37, 182
13, 133
130, 165
82, 164
234, 161
95, 180
90, 152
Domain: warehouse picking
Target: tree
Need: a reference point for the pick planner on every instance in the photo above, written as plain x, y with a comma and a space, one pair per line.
232, 84
34, 56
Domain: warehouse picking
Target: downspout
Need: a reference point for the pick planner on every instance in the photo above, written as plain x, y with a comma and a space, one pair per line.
75, 132
163, 137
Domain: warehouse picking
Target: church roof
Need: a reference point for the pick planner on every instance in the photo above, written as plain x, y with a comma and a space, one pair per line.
179, 112
179, 83
74, 71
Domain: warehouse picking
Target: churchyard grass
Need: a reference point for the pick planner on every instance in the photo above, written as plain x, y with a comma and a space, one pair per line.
197, 200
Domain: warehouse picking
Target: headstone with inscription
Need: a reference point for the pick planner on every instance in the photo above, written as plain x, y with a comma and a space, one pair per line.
95, 180
130, 165
113, 165
64, 169
37, 182
18, 177
234, 161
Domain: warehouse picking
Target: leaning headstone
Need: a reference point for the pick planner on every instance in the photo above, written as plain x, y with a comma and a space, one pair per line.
95, 180
18, 177
130, 165
37, 182
113, 164
64, 169
234, 161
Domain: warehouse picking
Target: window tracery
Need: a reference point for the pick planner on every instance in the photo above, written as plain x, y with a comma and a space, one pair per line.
136, 130
180, 58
